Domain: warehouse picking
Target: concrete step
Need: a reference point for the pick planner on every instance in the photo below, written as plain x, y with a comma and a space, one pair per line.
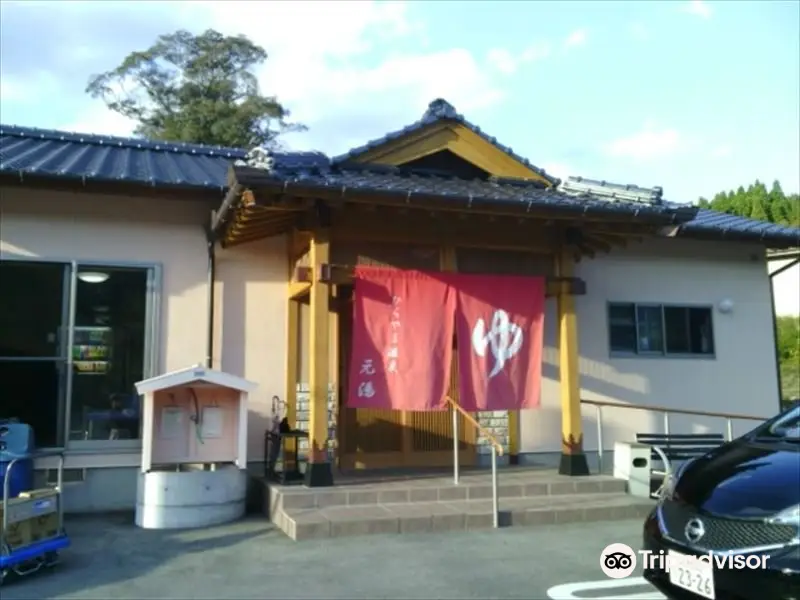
439, 490
456, 515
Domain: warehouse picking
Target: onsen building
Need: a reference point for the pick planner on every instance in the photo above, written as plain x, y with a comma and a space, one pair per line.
162, 255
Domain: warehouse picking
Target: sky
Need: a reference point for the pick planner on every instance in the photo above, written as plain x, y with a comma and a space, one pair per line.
695, 97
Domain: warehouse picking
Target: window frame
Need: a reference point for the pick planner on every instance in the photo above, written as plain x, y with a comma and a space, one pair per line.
152, 341
637, 353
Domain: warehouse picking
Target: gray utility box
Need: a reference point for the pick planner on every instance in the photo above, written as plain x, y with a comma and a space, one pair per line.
632, 463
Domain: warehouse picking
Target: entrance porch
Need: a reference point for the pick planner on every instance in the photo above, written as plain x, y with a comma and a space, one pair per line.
369, 502
326, 239
438, 196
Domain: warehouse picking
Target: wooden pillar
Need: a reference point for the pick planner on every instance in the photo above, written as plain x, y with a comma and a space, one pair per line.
573, 460
318, 470
292, 347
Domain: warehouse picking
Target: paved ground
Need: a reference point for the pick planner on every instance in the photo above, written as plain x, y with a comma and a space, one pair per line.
110, 558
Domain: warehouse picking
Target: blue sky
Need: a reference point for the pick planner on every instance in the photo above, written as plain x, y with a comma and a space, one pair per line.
692, 96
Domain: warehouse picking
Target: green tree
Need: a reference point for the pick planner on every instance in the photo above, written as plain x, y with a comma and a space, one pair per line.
788, 334
757, 202
195, 88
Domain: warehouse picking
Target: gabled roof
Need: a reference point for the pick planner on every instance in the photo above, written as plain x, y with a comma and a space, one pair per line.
442, 111
26, 152
708, 224
194, 374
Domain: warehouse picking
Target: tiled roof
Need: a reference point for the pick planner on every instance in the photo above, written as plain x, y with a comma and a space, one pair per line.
315, 170
441, 110
710, 223
707, 223
611, 191
30, 152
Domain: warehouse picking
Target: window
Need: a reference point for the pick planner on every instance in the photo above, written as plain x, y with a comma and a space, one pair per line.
74, 339
655, 329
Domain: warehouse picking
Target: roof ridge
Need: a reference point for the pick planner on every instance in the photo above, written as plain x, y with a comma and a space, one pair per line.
119, 141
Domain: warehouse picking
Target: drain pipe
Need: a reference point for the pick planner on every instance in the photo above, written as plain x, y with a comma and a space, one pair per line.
212, 268
772, 276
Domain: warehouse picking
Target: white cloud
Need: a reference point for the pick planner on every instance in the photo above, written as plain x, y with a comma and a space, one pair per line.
98, 119
576, 38
350, 70
502, 60
649, 143
698, 8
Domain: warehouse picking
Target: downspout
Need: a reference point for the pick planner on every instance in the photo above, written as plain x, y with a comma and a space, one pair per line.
775, 325
212, 268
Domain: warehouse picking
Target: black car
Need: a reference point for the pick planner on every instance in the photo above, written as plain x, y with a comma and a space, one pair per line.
727, 524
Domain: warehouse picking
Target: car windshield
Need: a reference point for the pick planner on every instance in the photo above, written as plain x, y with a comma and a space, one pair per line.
787, 426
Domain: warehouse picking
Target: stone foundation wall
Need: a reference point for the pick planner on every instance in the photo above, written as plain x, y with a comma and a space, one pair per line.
496, 423
303, 411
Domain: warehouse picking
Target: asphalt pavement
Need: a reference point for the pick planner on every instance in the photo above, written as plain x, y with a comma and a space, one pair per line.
111, 558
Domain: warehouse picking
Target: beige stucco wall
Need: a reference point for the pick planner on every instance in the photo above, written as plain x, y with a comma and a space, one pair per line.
740, 379
250, 337
250, 290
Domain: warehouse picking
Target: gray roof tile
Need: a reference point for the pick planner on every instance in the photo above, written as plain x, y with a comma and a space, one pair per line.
707, 223
38, 152
29, 152
400, 180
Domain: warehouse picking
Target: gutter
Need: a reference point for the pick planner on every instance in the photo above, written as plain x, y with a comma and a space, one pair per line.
212, 268
221, 216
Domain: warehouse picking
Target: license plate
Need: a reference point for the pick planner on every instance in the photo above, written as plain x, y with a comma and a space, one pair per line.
692, 575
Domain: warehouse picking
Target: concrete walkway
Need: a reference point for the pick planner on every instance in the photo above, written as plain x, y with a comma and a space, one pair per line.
110, 558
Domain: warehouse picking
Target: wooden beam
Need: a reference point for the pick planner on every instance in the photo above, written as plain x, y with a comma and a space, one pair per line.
388, 225
318, 469
298, 289
343, 275
573, 459
483, 154
293, 348
421, 142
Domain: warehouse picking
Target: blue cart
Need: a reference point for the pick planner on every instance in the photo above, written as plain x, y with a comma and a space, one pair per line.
26, 556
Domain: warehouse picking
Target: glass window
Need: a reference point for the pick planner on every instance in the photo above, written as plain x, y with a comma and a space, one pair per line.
622, 327
650, 329
33, 348
108, 353
657, 329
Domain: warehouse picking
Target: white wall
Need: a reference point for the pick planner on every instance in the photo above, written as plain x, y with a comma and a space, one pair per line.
250, 289
786, 288
740, 379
